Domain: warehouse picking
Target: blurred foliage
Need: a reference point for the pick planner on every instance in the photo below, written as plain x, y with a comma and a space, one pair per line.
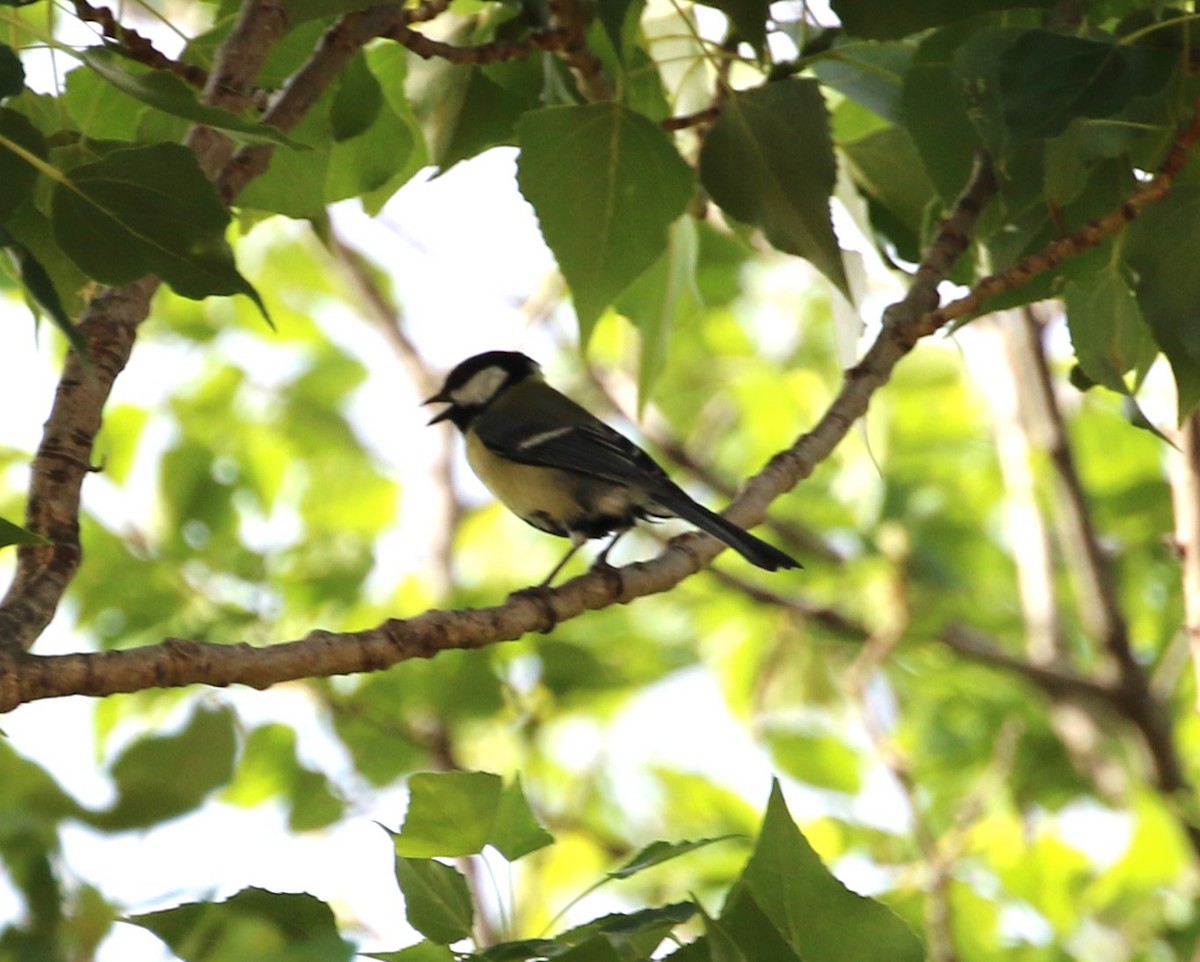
245, 495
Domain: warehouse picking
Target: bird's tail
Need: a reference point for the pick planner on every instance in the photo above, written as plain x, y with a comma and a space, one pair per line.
753, 549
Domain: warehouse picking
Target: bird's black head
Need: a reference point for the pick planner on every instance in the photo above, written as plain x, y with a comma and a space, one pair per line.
478, 381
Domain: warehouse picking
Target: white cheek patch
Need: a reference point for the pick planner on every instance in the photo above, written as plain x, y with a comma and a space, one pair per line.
481, 388
542, 437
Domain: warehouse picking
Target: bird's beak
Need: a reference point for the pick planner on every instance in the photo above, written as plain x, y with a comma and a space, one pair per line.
440, 398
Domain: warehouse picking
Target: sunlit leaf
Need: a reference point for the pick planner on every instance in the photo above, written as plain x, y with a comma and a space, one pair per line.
449, 814
815, 913
516, 831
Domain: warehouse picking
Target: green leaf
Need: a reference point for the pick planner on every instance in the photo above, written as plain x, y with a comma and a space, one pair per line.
1107, 330
488, 111
935, 114
12, 74
1048, 79
253, 924
743, 933
816, 759
421, 952
17, 174
269, 768
768, 161
1157, 247
144, 210
871, 74
11, 534
437, 901
381, 155
886, 169
516, 831
162, 776
818, 917
749, 18
166, 92
658, 852
890, 19
663, 299
606, 184
40, 290
613, 16
449, 813
356, 100
634, 935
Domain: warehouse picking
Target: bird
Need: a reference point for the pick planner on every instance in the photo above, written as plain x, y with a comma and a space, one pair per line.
564, 471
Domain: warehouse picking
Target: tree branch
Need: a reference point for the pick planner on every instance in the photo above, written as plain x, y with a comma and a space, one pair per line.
1185, 494
108, 327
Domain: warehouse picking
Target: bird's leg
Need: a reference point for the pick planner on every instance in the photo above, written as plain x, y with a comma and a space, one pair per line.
602, 558
577, 542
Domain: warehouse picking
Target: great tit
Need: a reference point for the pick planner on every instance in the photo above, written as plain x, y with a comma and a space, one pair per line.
561, 469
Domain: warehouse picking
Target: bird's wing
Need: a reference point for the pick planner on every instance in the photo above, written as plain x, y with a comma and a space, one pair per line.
591, 448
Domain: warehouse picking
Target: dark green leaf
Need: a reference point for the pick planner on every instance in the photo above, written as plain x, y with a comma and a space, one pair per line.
815, 913
487, 114
658, 852
635, 935
1159, 247
385, 153
871, 74
768, 161
449, 813
301, 927
516, 831
148, 210
935, 114
743, 933
12, 74
598, 949
356, 100
166, 92
17, 174
520, 951
437, 901
614, 15
1048, 79
162, 776
891, 19
11, 534
606, 183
